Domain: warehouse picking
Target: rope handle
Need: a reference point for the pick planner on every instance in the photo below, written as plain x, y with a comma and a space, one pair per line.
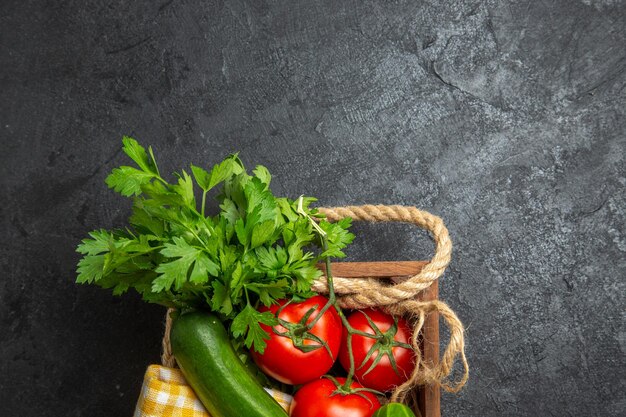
367, 292
400, 298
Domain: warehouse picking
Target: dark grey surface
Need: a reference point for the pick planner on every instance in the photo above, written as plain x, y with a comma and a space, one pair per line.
505, 118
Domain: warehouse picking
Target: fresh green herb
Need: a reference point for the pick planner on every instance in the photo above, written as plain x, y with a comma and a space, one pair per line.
257, 249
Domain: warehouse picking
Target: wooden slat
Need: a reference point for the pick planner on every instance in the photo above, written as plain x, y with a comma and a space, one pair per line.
386, 269
429, 396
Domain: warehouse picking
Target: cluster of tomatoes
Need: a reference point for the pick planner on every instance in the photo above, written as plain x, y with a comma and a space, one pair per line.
300, 354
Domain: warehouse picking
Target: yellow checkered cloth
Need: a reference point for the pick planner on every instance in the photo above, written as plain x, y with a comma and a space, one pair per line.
165, 393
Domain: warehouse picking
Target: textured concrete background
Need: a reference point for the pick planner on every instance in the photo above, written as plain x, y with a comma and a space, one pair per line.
506, 118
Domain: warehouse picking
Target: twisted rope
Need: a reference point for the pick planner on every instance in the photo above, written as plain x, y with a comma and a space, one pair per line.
364, 292
167, 357
437, 374
400, 298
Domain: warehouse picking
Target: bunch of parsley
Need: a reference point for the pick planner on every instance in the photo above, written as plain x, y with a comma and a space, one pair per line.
257, 249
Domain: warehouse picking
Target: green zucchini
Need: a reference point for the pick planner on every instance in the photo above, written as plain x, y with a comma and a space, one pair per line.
223, 384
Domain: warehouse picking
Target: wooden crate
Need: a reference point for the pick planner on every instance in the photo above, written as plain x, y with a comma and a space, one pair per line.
429, 396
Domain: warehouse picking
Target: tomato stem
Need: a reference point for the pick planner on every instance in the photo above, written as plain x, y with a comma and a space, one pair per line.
332, 301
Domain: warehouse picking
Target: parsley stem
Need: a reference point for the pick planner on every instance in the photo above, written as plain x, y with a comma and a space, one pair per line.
203, 202
331, 292
153, 159
127, 258
193, 232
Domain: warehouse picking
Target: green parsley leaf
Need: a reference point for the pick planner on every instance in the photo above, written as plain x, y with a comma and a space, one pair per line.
261, 233
305, 277
90, 269
338, 237
174, 273
137, 153
202, 268
230, 211
263, 174
220, 301
128, 180
269, 293
220, 172
287, 209
242, 232
202, 177
185, 189
98, 243
248, 322
271, 259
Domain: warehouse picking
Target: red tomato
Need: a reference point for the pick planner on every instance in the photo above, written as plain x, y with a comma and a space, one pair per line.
283, 361
383, 377
315, 399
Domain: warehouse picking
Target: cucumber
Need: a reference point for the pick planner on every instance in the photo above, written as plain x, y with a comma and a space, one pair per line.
221, 381
394, 410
